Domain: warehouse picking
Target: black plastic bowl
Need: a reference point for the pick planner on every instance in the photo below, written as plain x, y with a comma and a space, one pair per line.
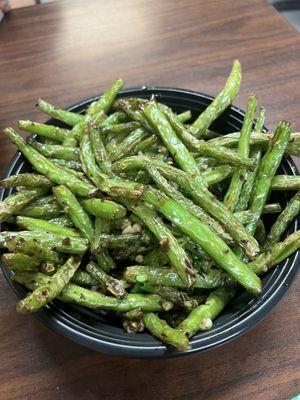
93, 330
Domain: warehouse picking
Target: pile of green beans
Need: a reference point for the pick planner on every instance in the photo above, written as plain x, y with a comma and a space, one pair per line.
147, 214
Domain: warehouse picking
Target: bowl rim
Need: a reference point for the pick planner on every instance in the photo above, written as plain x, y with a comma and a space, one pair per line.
60, 322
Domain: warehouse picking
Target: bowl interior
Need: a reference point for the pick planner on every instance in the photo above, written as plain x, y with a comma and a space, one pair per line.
99, 332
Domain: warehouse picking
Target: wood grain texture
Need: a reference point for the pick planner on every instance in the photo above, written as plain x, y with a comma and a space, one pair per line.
66, 51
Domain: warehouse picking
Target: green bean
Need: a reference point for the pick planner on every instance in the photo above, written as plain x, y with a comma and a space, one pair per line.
285, 182
136, 102
48, 268
208, 134
132, 326
68, 117
128, 144
118, 187
293, 148
102, 225
258, 139
201, 234
44, 130
171, 173
42, 211
178, 150
77, 174
33, 224
55, 150
55, 242
163, 185
104, 260
204, 266
105, 102
175, 296
250, 177
225, 155
134, 109
272, 208
217, 174
260, 232
75, 211
248, 183
89, 163
269, 164
164, 332
31, 247
83, 278
207, 163
76, 132
26, 180
111, 284
192, 247
200, 318
156, 258
201, 147
285, 218
168, 292
48, 199
116, 118
163, 276
278, 253
135, 314
247, 216
72, 138
233, 193
71, 166
20, 262
134, 113
47, 140
99, 150
122, 128
17, 201
193, 251
47, 168
103, 208
221, 102
112, 142
91, 299
145, 144
63, 221
169, 244
105, 241
184, 116
200, 196
45, 293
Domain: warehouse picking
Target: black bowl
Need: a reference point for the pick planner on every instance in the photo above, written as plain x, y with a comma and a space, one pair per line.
100, 333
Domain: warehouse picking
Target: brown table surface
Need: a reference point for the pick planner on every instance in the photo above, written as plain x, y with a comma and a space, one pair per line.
69, 50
